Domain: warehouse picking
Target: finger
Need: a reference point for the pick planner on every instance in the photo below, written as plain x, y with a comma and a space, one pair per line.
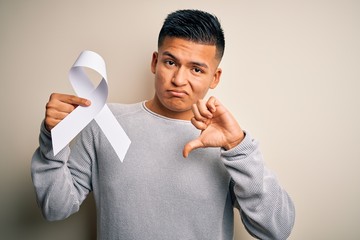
211, 104
203, 109
197, 114
50, 123
53, 117
65, 103
199, 124
70, 99
74, 100
55, 114
194, 144
57, 106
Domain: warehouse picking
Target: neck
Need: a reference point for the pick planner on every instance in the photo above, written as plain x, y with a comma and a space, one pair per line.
156, 106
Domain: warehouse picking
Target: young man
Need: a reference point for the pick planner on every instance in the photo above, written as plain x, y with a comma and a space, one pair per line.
176, 182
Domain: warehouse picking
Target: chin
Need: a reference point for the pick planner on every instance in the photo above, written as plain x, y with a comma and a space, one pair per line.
178, 109
178, 106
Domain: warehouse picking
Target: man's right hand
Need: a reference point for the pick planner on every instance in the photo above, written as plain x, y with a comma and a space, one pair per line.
61, 105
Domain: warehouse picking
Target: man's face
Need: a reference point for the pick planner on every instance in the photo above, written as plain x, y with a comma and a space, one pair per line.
184, 72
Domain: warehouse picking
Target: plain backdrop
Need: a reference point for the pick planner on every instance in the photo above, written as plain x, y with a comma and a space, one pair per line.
291, 76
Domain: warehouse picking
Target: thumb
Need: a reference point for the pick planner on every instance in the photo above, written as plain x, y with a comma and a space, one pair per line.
194, 144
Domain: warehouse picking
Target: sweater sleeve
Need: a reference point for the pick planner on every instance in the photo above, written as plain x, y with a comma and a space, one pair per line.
61, 182
266, 209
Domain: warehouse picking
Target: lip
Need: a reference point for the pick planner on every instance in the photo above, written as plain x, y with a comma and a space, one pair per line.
177, 93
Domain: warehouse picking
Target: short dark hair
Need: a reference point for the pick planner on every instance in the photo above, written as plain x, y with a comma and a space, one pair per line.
194, 25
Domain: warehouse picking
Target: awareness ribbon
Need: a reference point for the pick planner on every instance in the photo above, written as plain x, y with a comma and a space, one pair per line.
77, 120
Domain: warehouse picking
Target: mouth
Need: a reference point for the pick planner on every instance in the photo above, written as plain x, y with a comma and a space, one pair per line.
177, 93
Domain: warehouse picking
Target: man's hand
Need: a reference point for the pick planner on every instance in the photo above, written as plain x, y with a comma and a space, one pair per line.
218, 127
61, 105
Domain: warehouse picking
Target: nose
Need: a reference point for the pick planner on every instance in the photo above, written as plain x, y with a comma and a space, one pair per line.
179, 78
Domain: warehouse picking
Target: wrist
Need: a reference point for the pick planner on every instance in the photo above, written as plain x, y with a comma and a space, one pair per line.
234, 143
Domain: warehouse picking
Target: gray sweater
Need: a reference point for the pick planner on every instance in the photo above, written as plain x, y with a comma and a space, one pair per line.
156, 193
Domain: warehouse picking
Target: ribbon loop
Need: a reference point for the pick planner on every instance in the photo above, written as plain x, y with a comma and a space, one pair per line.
78, 119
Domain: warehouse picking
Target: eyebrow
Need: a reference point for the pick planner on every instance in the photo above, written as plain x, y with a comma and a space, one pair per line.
193, 63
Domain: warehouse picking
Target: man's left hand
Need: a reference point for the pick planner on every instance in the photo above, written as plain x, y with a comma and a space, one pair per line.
218, 126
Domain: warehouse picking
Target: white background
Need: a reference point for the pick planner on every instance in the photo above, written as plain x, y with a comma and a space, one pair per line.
291, 76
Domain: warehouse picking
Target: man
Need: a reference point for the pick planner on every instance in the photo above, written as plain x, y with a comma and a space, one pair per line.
176, 182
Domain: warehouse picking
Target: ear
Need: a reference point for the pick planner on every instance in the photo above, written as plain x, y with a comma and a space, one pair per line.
216, 78
154, 61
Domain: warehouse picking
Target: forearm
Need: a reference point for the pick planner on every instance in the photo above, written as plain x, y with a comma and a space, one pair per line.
267, 210
56, 189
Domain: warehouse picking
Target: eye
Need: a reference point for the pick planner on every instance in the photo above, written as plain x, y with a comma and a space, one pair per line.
197, 70
170, 62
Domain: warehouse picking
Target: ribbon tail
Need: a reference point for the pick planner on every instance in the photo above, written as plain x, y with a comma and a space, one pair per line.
68, 128
113, 132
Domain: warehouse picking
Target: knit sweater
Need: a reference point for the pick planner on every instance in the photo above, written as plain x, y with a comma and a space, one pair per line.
155, 193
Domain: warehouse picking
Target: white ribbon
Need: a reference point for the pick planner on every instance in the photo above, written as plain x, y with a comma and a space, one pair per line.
77, 120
